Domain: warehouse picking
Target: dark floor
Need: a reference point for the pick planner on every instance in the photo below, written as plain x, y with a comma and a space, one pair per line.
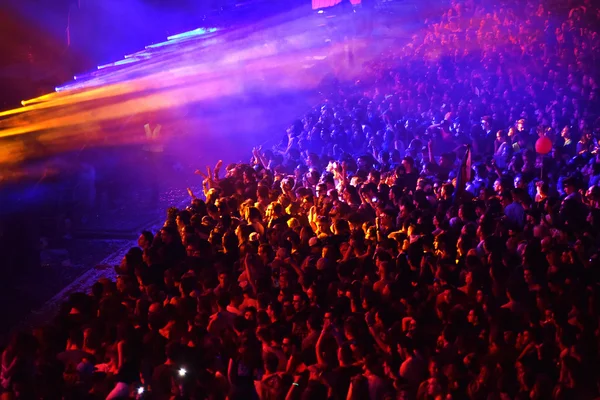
62, 265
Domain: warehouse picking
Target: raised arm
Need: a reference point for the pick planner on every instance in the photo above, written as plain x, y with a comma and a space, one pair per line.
249, 273
430, 152
318, 352
216, 170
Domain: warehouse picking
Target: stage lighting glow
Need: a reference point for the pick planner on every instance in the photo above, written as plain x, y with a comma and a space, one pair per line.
195, 32
182, 372
320, 12
165, 77
138, 54
121, 62
159, 44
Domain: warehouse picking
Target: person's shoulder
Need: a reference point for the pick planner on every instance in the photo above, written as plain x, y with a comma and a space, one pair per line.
275, 378
311, 338
376, 380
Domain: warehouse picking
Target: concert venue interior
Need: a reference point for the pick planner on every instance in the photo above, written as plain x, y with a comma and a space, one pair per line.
78, 171
269, 199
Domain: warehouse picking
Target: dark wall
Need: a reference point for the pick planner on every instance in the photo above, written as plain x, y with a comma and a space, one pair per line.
19, 243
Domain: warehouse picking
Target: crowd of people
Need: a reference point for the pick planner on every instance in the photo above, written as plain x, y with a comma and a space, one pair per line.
415, 237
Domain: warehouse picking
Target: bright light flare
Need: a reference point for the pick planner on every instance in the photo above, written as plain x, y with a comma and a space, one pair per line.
91, 110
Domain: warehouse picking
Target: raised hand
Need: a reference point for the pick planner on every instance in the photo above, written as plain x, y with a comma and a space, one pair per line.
218, 166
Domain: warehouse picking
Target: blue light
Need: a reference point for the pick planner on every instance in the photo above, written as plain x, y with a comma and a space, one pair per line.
137, 54
161, 44
195, 32
122, 62
320, 12
83, 76
103, 73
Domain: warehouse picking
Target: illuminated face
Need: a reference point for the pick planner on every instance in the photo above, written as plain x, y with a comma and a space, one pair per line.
311, 294
297, 301
469, 278
286, 346
142, 242
479, 296
527, 276
222, 279
497, 186
283, 281
323, 226
518, 182
471, 317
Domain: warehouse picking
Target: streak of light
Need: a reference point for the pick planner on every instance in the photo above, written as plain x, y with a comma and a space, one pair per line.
121, 62
185, 70
195, 32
